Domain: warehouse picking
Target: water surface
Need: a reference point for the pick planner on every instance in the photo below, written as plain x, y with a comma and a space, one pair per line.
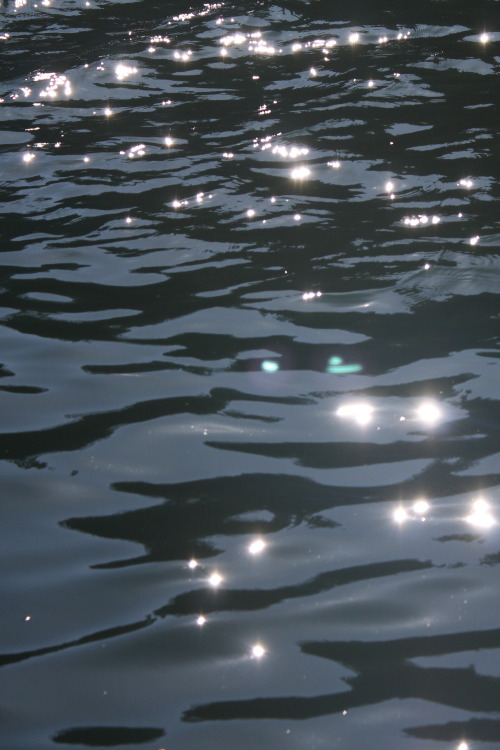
249, 375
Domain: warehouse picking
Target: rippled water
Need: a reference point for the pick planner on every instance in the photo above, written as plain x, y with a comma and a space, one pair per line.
249, 375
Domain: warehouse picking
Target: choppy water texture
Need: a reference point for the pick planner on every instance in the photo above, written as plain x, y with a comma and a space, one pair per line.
250, 375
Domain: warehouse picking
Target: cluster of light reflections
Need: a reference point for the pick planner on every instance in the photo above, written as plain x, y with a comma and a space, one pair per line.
418, 511
480, 515
255, 548
360, 412
420, 220
363, 413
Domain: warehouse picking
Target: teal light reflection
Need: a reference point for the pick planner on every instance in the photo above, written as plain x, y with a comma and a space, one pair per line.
336, 367
269, 366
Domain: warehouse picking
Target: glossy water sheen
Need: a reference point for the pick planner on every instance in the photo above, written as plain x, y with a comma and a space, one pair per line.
250, 375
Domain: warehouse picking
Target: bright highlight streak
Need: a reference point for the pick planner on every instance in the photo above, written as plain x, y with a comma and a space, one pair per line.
354, 37
201, 621
484, 38
361, 413
169, 141
257, 546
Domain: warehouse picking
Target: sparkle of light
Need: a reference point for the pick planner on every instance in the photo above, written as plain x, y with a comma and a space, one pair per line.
400, 515
215, 580
169, 141
123, 71
481, 517
192, 564
360, 412
354, 37
257, 546
258, 651
474, 240
484, 38
200, 621
300, 173
429, 412
420, 507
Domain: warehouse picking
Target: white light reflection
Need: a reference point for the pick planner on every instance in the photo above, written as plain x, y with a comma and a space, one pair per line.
354, 37
257, 546
474, 240
192, 564
484, 38
400, 515
360, 412
429, 412
420, 508
169, 141
310, 295
300, 173
481, 516
258, 651
123, 71
215, 580
28, 157
418, 512
108, 112
201, 620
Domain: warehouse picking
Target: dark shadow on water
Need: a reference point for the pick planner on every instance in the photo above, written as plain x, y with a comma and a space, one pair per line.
202, 600
107, 736
479, 730
181, 527
384, 673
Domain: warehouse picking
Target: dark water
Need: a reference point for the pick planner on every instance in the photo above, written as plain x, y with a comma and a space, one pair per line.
250, 415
